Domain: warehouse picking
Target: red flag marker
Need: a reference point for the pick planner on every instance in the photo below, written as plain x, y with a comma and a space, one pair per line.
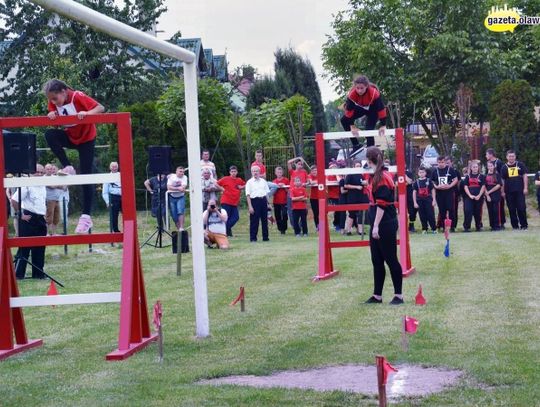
411, 325
241, 298
447, 227
156, 319
383, 370
387, 369
52, 289
420, 299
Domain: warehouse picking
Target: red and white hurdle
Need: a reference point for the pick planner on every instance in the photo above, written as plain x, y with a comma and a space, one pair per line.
134, 332
326, 264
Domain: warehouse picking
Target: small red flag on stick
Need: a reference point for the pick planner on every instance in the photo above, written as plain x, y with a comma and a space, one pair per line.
383, 370
241, 298
411, 325
156, 319
420, 299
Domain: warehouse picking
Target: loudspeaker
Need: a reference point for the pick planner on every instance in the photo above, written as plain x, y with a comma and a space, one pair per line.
159, 159
20, 152
184, 241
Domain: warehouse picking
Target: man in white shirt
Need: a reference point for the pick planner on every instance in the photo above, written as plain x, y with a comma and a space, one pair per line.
215, 220
207, 164
177, 185
256, 192
112, 195
34, 208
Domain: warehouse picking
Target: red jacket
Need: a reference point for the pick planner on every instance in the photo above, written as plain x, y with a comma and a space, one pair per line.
371, 99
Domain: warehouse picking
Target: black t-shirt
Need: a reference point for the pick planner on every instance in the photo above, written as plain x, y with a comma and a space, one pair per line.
498, 165
443, 176
342, 196
158, 185
513, 176
492, 180
355, 195
423, 188
409, 186
475, 183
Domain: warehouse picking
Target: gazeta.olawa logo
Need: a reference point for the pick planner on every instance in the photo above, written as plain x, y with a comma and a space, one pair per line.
507, 19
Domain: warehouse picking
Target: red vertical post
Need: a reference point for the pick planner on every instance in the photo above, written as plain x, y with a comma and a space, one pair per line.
323, 216
381, 385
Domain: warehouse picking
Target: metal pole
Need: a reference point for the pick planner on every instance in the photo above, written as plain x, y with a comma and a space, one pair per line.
64, 221
197, 230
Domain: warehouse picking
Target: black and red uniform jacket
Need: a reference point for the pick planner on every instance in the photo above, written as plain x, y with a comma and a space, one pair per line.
370, 100
383, 197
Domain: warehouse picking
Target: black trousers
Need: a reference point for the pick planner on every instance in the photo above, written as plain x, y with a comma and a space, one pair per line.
426, 213
115, 202
517, 209
472, 208
36, 226
315, 209
300, 220
232, 218
57, 140
446, 204
456, 206
502, 212
260, 208
384, 250
494, 213
280, 212
371, 121
410, 207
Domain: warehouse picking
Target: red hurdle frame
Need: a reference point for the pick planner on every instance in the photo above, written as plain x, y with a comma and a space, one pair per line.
134, 331
326, 264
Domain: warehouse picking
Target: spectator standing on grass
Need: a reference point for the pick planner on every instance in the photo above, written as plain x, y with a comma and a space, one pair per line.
473, 201
411, 208
314, 195
33, 208
356, 194
177, 185
54, 194
493, 196
215, 221
514, 175
157, 186
537, 183
206, 164
424, 201
333, 194
256, 194
456, 190
299, 207
112, 195
444, 179
296, 169
232, 186
491, 156
210, 187
280, 200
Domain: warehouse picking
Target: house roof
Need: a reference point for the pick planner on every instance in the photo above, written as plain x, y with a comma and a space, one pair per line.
194, 45
209, 57
220, 65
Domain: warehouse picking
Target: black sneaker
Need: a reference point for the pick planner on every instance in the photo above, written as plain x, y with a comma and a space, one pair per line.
373, 300
396, 301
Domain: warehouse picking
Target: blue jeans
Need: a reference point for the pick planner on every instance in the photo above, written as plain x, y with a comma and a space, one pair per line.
232, 217
177, 206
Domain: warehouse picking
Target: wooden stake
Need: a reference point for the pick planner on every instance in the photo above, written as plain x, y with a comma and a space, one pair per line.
380, 380
242, 305
404, 338
160, 343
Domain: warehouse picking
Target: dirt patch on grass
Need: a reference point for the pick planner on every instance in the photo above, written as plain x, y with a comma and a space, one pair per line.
409, 381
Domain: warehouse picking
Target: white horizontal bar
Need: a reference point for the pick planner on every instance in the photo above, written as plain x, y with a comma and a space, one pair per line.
67, 299
81, 179
349, 171
360, 133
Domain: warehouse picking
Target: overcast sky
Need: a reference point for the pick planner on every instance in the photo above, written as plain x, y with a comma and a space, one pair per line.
250, 31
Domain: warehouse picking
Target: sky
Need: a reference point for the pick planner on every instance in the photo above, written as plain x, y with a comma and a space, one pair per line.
250, 31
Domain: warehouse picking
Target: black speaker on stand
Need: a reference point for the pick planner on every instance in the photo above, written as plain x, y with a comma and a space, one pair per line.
159, 162
20, 152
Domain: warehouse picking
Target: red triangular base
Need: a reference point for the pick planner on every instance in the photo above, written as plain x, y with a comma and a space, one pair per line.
11, 319
134, 325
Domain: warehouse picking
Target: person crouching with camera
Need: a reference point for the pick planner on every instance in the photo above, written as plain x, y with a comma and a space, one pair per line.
215, 221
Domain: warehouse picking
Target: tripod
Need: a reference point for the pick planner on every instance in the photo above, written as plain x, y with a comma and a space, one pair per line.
158, 233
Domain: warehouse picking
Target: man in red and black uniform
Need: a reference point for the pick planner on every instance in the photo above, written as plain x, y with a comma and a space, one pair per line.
444, 180
491, 156
232, 185
280, 201
515, 182
364, 99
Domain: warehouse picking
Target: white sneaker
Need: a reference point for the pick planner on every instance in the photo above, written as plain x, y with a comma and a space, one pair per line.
84, 225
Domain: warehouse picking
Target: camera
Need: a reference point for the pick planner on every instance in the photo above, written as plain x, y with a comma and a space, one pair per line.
212, 207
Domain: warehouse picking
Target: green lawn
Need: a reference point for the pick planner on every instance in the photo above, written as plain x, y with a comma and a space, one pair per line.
482, 317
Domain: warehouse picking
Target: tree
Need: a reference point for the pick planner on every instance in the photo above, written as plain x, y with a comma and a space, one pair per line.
45, 45
419, 52
301, 80
214, 111
516, 127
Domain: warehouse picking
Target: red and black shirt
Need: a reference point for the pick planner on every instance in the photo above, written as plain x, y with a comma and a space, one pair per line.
475, 182
492, 180
382, 196
423, 188
370, 100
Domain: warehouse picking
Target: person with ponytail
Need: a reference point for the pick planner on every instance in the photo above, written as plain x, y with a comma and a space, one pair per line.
384, 225
65, 101
364, 99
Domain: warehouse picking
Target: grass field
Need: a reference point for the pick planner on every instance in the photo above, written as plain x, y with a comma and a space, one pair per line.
483, 317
